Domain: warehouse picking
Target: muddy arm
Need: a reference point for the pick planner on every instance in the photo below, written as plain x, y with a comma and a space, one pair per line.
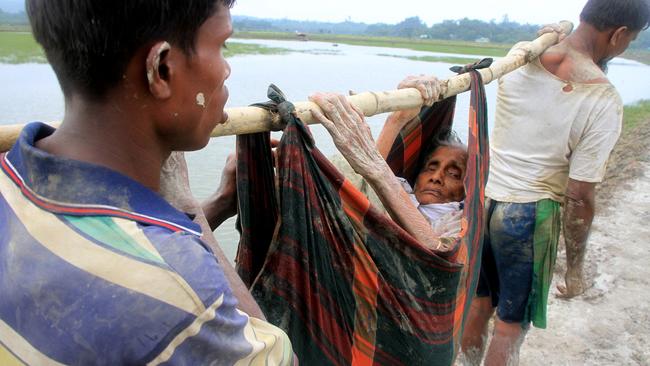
174, 187
578, 216
222, 204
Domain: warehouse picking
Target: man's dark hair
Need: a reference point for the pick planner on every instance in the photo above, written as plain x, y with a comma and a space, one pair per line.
90, 42
608, 14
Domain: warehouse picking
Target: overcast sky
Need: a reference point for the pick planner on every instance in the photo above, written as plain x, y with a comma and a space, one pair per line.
394, 11
430, 11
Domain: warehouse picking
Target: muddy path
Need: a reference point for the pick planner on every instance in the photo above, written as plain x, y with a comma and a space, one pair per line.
610, 323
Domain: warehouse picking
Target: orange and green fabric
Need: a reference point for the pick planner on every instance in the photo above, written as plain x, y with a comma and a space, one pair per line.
348, 284
519, 252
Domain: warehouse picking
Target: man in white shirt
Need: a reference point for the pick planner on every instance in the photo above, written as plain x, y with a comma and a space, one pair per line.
557, 121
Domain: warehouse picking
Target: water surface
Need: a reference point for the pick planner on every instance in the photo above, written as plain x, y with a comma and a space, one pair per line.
30, 92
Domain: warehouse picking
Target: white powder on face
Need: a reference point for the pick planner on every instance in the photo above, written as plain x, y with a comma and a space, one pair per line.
200, 100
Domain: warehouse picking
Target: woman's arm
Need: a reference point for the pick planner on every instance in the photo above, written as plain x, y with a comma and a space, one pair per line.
429, 87
352, 137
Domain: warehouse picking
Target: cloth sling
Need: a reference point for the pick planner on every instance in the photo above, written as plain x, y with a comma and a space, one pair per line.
347, 284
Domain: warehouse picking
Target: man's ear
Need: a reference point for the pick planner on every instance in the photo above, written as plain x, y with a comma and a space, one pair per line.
159, 70
617, 35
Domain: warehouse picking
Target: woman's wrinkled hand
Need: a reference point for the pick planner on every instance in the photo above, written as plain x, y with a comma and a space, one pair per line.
350, 132
430, 89
429, 86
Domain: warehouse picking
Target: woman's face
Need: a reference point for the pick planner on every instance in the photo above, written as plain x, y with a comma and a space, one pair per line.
442, 176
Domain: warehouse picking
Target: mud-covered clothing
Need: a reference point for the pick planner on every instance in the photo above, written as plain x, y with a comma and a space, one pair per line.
519, 253
97, 269
548, 130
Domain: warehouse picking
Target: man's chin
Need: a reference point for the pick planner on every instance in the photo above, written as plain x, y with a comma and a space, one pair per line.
194, 146
200, 140
219, 119
224, 118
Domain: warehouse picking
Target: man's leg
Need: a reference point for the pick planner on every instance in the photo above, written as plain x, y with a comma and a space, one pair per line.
476, 330
505, 344
512, 228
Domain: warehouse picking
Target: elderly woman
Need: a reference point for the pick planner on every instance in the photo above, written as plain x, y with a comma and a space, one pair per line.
431, 209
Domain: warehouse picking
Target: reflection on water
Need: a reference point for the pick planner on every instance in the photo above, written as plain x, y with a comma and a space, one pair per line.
30, 92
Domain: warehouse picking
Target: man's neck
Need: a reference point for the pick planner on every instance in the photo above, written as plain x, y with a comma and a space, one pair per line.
578, 57
110, 135
587, 41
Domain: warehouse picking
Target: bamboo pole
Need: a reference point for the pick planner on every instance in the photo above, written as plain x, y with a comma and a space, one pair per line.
245, 120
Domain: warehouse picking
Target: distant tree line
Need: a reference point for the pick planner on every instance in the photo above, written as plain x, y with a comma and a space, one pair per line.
13, 18
503, 31
463, 29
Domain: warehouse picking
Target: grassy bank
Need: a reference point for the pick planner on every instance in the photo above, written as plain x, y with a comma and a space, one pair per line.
430, 45
632, 150
642, 56
238, 49
636, 114
14, 28
20, 47
446, 59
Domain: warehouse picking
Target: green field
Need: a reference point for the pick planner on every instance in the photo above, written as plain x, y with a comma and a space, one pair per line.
636, 114
459, 47
638, 55
238, 49
20, 47
446, 59
430, 45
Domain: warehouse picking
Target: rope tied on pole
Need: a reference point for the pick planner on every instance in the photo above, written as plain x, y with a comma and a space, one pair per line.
481, 64
278, 106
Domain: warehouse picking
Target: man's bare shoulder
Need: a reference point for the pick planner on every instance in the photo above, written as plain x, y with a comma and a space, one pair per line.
568, 64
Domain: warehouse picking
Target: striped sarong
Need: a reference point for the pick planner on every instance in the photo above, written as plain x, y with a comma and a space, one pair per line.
347, 284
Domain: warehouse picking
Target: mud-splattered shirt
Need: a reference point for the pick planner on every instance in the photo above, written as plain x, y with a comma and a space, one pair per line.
97, 269
548, 130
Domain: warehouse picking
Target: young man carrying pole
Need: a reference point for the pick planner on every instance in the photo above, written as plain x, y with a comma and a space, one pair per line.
95, 266
557, 121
